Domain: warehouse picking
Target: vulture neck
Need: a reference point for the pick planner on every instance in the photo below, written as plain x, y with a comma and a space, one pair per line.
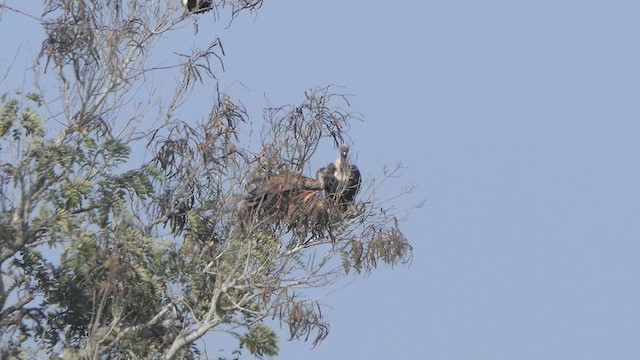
342, 168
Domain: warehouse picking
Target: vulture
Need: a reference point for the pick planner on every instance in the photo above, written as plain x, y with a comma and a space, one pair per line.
347, 178
197, 6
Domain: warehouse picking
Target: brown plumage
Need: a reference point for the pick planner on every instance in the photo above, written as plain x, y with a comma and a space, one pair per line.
269, 192
289, 198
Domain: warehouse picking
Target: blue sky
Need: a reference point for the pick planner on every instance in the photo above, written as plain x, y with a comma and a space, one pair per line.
520, 122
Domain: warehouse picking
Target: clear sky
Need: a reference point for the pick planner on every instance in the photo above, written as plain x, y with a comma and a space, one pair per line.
520, 121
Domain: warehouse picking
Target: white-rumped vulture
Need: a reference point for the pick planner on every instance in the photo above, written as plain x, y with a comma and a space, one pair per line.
347, 177
197, 6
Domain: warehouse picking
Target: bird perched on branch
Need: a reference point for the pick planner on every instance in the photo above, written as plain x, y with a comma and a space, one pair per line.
197, 6
347, 178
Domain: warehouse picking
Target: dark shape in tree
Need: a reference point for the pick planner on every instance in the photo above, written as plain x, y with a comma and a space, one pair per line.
197, 6
327, 181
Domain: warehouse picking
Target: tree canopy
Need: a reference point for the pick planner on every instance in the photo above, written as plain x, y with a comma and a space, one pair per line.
130, 231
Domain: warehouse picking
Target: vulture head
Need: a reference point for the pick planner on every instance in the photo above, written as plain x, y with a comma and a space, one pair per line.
344, 150
342, 163
197, 6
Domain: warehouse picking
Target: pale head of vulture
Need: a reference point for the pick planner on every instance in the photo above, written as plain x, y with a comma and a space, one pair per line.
342, 163
197, 6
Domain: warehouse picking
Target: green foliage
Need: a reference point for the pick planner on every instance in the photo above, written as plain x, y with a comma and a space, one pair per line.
116, 152
13, 112
261, 340
92, 282
74, 191
8, 115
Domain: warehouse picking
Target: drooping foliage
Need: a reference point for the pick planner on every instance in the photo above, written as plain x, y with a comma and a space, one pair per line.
130, 230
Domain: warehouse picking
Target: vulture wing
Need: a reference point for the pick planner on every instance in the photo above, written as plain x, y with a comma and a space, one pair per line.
353, 185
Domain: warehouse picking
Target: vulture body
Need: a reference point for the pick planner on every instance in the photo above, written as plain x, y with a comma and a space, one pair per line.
347, 178
197, 6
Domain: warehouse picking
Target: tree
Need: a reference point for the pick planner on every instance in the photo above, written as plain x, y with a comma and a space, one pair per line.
106, 255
